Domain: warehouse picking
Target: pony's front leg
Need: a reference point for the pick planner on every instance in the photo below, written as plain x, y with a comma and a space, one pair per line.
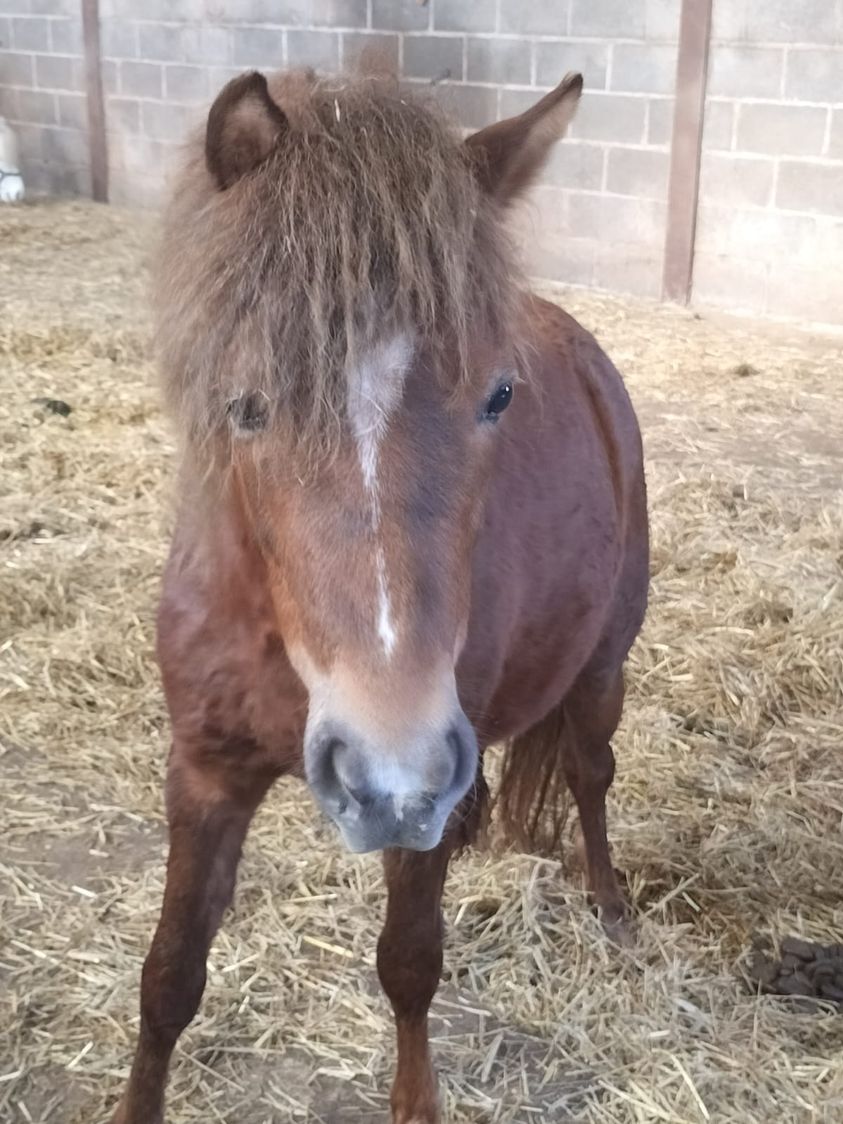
209, 812
409, 967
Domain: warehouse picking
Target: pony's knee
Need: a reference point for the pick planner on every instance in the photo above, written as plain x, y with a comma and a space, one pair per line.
589, 766
171, 990
600, 764
409, 971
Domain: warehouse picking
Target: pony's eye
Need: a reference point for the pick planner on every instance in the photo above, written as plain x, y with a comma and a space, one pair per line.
248, 413
499, 401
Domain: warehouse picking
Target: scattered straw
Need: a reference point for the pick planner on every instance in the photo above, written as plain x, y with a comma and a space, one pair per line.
726, 813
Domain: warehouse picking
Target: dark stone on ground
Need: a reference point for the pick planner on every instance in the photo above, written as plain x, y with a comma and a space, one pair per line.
803, 969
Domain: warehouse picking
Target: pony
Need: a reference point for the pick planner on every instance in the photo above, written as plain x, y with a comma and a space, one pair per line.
412, 522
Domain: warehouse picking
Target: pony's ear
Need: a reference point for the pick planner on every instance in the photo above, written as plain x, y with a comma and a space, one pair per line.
243, 126
509, 155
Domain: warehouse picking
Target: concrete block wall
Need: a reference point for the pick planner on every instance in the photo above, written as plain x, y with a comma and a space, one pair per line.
598, 215
42, 92
770, 223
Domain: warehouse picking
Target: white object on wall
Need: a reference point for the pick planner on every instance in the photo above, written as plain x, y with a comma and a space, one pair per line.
11, 180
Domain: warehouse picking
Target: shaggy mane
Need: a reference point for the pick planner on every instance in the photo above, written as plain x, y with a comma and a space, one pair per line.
366, 219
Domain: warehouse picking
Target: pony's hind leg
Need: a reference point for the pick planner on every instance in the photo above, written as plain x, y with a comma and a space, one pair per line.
209, 810
592, 711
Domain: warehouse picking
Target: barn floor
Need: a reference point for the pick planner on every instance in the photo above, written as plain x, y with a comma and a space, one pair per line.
726, 814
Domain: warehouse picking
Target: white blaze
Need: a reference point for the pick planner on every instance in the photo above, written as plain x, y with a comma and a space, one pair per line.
375, 387
386, 629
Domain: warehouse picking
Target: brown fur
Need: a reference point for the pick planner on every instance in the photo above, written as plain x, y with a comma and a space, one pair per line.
361, 213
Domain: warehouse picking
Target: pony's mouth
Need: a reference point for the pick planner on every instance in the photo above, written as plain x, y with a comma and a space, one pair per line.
390, 822
360, 839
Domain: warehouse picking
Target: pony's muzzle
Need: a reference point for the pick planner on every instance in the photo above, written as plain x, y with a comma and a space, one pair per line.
382, 799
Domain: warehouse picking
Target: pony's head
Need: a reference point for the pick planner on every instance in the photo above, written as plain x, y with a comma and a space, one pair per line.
337, 320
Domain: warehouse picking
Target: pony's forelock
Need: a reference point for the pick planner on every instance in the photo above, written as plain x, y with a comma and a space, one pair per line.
366, 220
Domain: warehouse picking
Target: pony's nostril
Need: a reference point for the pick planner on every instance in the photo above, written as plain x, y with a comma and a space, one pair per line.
458, 748
363, 796
454, 740
340, 776
325, 776
463, 745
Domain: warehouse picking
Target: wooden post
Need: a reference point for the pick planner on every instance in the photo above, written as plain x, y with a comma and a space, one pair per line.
96, 103
686, 149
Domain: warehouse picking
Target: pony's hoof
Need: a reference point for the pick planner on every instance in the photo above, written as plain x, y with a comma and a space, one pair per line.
619, 927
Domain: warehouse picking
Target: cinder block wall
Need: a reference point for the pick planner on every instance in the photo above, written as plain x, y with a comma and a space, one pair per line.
42, 92
598, 216
770, 236
770, 225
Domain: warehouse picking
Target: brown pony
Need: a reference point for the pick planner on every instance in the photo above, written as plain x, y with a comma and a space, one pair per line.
413, 522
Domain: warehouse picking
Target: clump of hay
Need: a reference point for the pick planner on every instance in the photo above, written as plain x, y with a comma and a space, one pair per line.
725, 815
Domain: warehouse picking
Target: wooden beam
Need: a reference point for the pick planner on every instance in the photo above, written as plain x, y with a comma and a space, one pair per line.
685, 149
96, 103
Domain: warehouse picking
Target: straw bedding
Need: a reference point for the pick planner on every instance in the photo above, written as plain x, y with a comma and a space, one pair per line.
725, 816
